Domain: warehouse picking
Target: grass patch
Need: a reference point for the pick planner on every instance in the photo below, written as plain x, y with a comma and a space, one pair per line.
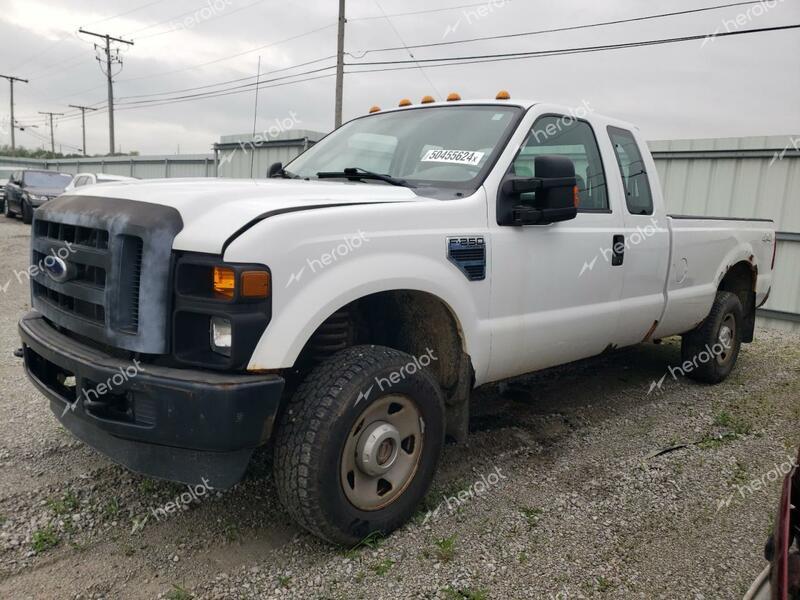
44, 539
711, 442
372, 541
3, 520
111, 508
452, 593
66, 504
284, 581
446, 548
737, 424
231, 533
178, 593
532, 515
383, 567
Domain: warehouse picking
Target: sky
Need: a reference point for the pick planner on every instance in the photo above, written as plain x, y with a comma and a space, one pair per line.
742, 85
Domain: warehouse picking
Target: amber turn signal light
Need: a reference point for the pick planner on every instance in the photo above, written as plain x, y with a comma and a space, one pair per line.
255, 284
576, 196
224, 281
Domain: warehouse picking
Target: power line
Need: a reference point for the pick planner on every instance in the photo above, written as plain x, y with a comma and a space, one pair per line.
464, 60
200, 87
411, 54
421, 12
558, 29
171, 21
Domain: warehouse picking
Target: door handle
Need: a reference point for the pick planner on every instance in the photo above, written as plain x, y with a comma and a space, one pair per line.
618, 250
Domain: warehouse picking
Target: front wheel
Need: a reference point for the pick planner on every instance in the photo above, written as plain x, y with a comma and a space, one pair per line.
357, 446
27, 213
713, 347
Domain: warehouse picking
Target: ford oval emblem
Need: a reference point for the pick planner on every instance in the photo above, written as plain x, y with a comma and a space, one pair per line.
56, 269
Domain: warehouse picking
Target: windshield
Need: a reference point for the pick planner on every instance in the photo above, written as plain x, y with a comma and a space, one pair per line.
44, 179
441, 146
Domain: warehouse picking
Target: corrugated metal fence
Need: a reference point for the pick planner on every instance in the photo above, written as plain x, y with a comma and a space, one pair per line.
737, 177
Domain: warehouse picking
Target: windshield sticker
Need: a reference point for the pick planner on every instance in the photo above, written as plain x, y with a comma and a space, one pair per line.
459, 157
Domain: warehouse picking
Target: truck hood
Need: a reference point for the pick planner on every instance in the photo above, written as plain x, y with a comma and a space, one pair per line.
215, 210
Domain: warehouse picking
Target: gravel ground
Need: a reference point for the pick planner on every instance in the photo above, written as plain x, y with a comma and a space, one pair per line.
560, 493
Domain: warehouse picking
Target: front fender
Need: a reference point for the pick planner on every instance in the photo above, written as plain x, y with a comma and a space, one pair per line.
300, 307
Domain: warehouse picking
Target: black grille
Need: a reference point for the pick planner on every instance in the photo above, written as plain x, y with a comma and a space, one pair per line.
85, 292
82, 308
74, 234
118, 259
469, 255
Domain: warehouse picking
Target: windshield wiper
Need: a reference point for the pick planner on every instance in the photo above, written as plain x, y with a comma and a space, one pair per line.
358, 174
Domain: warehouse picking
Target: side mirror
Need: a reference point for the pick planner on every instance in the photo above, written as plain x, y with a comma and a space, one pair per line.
549, 197
275, 169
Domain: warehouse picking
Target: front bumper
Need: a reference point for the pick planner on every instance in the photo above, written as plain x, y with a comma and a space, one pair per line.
176, 424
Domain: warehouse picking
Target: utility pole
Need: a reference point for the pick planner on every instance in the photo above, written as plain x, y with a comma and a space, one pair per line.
11, 81
52, 138
340, 64
109, 77
83, 110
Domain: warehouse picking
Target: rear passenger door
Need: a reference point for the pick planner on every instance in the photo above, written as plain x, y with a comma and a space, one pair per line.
556, 288
646, 236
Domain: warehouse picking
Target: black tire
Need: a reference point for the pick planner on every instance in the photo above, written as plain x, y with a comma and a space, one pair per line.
325, 415
712, 358
7, 209
27, 213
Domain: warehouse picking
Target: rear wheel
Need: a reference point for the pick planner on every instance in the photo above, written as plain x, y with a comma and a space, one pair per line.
27, 213
357, 446
714, 346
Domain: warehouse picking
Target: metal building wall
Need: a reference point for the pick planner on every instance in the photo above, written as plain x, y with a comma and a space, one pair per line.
143, 167
743, 177
235, 154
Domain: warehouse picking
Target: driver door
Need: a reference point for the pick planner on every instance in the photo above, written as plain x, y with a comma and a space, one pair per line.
556, 288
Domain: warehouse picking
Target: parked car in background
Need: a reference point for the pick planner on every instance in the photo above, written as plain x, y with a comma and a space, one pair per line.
5, 175
83, 179
30, 188
780, 580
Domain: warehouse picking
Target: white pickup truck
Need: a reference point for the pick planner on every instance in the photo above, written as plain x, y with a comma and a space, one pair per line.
343, 309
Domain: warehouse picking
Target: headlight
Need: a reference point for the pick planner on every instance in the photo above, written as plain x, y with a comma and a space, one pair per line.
220, 334
35, 198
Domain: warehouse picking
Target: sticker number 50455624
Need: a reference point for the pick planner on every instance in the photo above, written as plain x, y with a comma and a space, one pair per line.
460, 157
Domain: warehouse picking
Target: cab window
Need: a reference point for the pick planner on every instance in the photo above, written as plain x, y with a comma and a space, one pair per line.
634, 175
567, 136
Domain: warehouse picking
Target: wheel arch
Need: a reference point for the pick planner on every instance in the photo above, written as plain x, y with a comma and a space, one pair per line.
741, 279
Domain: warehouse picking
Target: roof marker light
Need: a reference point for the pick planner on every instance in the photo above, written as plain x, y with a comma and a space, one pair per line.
427, 100
405, 102
503, 95
453, 97
375, 109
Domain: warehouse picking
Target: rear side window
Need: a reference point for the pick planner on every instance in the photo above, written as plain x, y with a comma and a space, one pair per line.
634, 175
566, 136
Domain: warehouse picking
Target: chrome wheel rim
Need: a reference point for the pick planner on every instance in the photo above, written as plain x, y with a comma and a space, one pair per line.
726, 338
382, 452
